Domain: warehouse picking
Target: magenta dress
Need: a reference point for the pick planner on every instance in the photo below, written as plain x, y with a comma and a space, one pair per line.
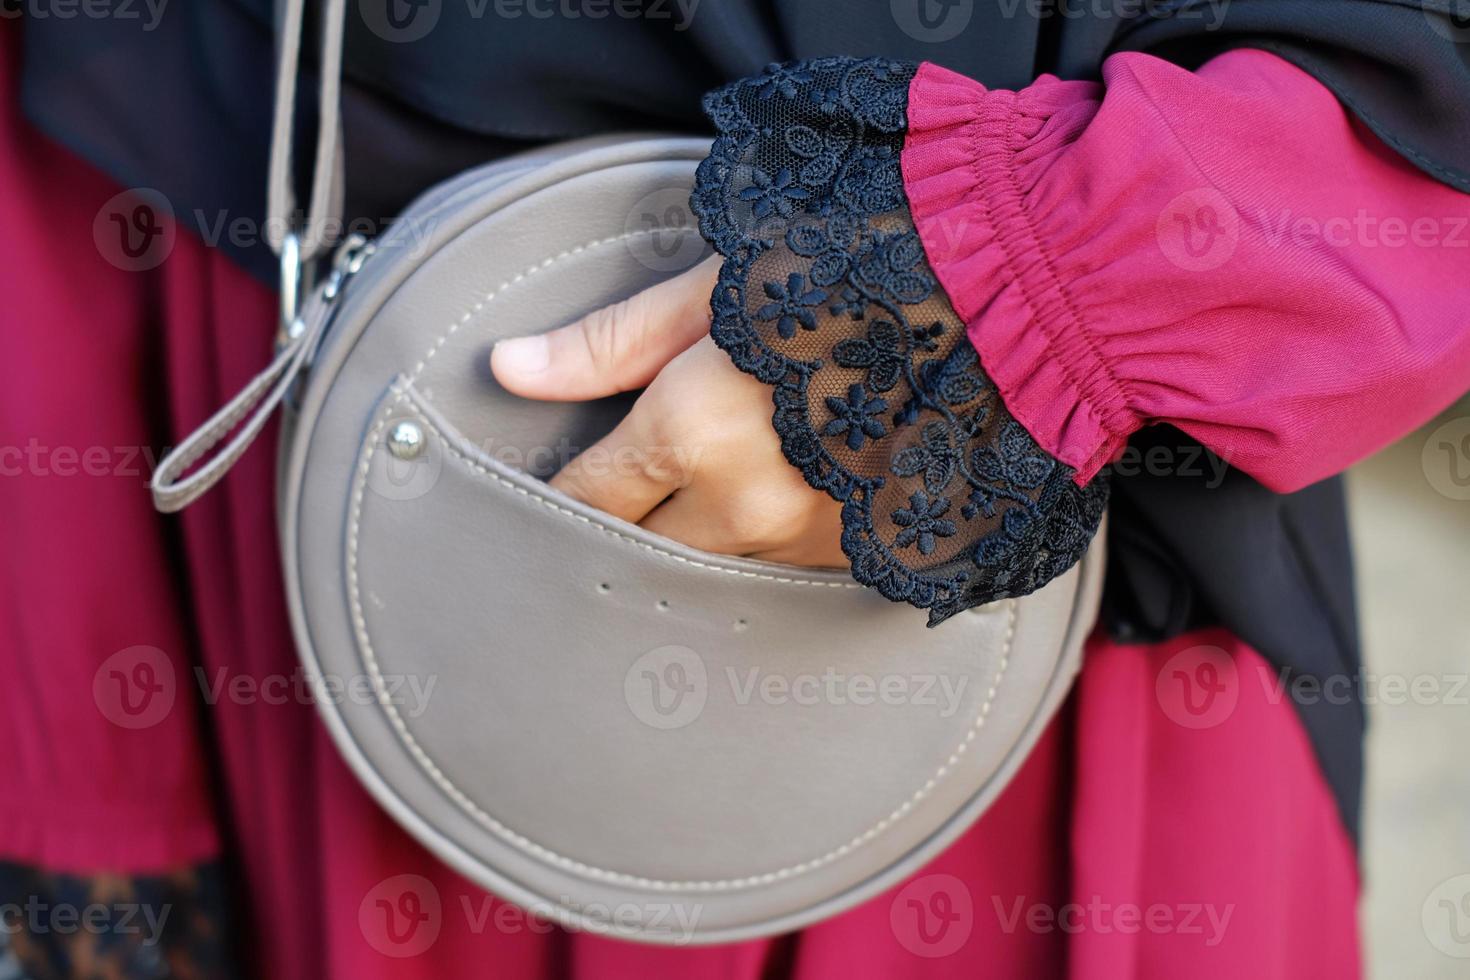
1171, 822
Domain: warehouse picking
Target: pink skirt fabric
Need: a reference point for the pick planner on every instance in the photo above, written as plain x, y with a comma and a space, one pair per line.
1172, 821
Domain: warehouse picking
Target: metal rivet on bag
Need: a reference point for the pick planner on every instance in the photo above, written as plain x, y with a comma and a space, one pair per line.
406, 440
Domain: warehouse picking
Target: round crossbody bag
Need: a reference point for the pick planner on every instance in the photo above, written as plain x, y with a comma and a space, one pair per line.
614, 730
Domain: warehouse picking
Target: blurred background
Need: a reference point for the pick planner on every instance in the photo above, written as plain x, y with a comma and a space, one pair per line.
1410, 509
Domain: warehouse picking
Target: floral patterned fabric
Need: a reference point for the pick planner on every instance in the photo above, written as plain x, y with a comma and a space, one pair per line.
827, 295
126, 927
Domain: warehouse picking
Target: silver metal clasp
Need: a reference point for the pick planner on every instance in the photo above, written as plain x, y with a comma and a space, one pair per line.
350, 256
296, 282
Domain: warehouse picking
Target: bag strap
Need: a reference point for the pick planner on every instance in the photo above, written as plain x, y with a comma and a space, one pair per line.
296, 245
172, 491
325, 203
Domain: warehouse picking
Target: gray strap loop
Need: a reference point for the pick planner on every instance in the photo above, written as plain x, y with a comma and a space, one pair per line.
172, 491
297, 247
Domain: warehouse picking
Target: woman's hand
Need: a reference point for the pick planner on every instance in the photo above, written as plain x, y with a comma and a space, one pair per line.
697, 459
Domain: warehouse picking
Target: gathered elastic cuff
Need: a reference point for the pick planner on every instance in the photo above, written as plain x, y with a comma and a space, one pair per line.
880, 400
971, 157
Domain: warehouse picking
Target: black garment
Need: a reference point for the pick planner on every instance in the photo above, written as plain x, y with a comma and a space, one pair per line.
434, 86
183, 104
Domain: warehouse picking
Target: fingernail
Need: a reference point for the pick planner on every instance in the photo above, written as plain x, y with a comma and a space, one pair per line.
523, 355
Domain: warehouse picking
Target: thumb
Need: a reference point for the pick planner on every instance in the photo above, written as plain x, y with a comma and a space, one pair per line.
618, 348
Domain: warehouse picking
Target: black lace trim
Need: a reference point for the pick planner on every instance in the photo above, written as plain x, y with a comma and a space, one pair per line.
826, 294
131, 927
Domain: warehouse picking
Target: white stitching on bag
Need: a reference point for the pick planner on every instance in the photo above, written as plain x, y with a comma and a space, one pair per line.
477, 467
526, 845
402, 392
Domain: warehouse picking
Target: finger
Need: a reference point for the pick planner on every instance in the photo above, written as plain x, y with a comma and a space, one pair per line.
814, 541
768, 522
823, 552
626, 473
685, 518
617, 348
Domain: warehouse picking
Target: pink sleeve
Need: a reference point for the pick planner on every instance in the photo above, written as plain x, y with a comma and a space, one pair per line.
1226, 250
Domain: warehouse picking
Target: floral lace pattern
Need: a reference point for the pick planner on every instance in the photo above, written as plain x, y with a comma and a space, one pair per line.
826, 294
174, 924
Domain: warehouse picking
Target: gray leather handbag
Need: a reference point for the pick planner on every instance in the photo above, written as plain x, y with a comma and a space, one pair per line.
609, 728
